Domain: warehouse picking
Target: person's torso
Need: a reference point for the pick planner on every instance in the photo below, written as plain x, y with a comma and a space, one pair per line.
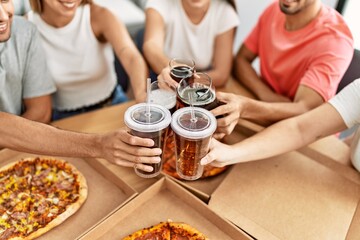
286, 56
17, 81
81, 66
184, 39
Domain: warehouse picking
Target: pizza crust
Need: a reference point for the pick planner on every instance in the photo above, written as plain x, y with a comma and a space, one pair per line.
70, 210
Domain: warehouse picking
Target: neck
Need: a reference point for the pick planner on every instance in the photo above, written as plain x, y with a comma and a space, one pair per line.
194, 13
302, 18
54, 19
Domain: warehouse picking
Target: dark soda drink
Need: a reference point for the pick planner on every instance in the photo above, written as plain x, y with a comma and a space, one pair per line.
158, 137
180, 72
148, 121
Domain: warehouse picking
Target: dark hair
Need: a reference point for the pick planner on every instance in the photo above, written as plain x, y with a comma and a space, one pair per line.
232, 3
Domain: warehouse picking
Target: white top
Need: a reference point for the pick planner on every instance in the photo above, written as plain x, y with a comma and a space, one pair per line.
82, 67
347, 103
183, 39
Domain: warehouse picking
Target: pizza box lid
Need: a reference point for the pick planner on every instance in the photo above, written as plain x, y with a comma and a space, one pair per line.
163, 201
106, 193
290, 196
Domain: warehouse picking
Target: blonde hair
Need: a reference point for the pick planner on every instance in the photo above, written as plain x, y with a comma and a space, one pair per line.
37, 5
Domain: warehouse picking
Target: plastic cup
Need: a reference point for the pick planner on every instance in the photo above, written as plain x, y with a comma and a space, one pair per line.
153, 125
192, 140
181, 68
163, 94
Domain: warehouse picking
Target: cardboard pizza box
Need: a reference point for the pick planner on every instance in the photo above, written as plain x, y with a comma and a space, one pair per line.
204, 187
163, 201
106, 193
289, 197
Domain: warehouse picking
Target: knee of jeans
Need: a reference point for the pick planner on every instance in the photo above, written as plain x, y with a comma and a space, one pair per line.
119, 96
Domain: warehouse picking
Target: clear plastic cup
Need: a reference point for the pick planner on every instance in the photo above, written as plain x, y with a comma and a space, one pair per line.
181, 68
163, 94
192, 138
153, 125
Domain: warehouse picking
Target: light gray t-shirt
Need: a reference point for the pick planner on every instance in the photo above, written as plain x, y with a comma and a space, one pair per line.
23, 70
347, 103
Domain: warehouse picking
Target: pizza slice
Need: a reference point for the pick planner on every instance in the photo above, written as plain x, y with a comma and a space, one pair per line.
183, 231
160, 231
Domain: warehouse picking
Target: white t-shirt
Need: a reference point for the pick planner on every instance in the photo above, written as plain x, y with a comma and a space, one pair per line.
183, 39
347, 103
82, 67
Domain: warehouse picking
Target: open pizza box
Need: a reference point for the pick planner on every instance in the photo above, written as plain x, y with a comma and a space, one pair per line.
291, 196
161, 202
106, 193
204, 187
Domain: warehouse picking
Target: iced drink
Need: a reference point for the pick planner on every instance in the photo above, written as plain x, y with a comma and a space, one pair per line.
152, 124
192, 138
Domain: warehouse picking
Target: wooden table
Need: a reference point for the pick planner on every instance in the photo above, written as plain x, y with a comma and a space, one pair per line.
111, 118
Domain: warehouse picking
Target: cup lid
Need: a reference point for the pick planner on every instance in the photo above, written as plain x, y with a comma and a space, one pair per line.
204, 126
136, 117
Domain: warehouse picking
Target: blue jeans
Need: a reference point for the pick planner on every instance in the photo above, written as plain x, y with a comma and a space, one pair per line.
118, 96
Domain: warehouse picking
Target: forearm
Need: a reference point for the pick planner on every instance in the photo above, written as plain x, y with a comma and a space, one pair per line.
291, 134
267, 113
155, 57
28, 136
138, 73
247, 76
219, 78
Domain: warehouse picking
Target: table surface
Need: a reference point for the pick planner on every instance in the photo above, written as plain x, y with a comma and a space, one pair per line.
111, 118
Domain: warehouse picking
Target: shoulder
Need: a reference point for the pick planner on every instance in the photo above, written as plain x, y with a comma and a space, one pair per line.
101, 15
333, 23
22, 27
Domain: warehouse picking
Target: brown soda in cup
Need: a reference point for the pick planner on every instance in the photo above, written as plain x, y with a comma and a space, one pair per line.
153, 125
201, 90
181, 68
192, 138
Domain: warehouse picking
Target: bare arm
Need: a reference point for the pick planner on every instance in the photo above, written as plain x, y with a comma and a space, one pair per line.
223, 58
154, 41
118, 147
38, 109
248, 77
108, 28
264, 113
279, 138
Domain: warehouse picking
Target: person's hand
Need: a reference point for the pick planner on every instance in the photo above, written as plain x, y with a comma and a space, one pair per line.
229, 113
165, 76
219, 154
123, 149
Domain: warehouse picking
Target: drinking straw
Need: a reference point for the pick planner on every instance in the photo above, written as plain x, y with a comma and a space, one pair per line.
148, 86
192, 112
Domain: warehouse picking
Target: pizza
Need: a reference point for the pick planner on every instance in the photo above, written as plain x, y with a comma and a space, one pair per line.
168, 231
37, 194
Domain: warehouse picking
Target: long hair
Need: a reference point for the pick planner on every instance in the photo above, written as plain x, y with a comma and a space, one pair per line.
231, 2
37, 5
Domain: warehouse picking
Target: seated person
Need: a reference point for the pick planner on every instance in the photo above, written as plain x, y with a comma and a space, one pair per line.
199, 30
79, 38
118, 147
304, 48
25, 83
341, 112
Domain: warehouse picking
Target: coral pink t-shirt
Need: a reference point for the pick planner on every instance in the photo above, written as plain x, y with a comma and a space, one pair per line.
316, 56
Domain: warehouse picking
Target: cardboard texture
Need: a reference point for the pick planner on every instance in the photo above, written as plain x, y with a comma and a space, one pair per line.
287, 197
203, 188
354, 231
106, 193
162, 201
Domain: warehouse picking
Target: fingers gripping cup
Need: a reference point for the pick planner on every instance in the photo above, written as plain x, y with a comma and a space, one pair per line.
148, 124
192, 137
